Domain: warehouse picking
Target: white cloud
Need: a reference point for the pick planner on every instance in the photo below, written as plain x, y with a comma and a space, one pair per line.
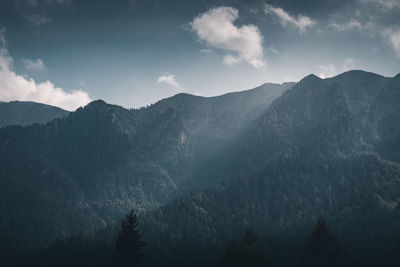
352, 24
230, 60
300, 22
33, 65
384, 4
170, 80
16, 87
349, 64
37, 19
375, 19
327, 71
330, 70
206, 51
274, 51
35, 3
61, 2
392, 36
3, 41
216, 29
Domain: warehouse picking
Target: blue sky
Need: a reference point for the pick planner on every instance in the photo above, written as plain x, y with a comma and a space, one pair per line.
134, 53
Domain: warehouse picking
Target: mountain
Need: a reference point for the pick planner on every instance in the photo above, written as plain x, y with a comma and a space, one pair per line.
307, 155
384, 117
275, 158
27, 113
87, 169
373, 100
303, 157
354, 192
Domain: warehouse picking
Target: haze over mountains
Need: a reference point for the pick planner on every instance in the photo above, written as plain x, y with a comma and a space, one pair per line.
277, 157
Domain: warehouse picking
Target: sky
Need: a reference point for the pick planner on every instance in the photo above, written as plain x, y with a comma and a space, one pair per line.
133, 53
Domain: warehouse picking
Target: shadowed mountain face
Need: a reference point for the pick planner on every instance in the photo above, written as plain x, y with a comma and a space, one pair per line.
285, 154
307, 155
102, 160
310, 122
27, 113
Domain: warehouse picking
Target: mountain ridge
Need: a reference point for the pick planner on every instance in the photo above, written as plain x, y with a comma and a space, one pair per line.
25, 113
104, 159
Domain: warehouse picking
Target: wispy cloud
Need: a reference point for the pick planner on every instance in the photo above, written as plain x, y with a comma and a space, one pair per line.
327, 71
17, 87
36, 3
37, 19
376, 19
169, 79
206, 51
216, 29
392, 36
274, 51
351, 24
230, 60
301, 22
385, 4
349, 64
330, 70
33, 65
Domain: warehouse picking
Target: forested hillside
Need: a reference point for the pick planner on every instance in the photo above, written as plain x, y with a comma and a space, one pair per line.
200, 171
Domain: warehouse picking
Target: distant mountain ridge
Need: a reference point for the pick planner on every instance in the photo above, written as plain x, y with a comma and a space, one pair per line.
307, 155
103, 159
26, 113
282, 154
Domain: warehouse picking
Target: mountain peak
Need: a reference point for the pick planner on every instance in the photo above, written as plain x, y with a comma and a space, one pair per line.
97, 105
310, 82
311, 77
358, 74
98, 102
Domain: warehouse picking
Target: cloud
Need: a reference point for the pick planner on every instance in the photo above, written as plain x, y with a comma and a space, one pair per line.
207, 51
17, 87
33, 65
230, 60
384, 4
349, 64
37, 19
35, 3
216, 29
170, 80
3, 41
327, 71
61, 2
392, 36
352, 24
301, 22
330, 70
377, 19
274, 51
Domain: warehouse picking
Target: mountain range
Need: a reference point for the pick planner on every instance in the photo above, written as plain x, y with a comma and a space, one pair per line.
275, 157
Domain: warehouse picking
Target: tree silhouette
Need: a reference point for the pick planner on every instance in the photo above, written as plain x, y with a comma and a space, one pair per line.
322, 248
248, 252
127, 248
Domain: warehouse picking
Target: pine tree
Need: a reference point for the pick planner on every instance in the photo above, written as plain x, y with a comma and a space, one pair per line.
322, 248
127, 248
248, 252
